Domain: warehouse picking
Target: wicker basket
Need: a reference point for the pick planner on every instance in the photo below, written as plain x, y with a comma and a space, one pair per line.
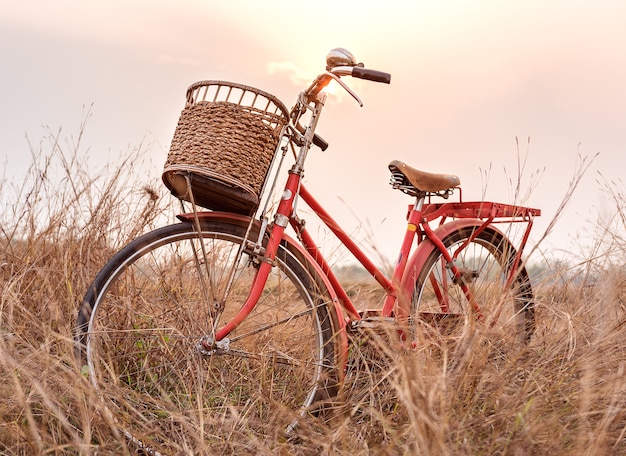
223, 144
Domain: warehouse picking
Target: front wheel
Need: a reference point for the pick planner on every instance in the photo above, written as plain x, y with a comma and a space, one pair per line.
502, 298
145, 328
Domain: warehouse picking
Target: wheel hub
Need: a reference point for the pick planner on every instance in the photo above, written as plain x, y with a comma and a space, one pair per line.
208, 346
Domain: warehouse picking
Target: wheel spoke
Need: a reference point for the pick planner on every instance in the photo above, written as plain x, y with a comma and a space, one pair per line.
149, 308
304, 313
485, 266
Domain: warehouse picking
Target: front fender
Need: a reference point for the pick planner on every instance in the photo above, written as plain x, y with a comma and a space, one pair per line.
236, 219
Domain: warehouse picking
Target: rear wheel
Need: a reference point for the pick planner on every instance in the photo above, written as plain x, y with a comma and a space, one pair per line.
144, 318
486, 264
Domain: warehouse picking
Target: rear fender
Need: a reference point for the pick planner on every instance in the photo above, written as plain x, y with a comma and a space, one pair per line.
423, 251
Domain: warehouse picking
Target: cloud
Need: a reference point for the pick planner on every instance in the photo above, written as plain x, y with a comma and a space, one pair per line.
297, 76
301, 78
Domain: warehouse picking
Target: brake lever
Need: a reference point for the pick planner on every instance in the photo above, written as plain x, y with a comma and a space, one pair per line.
348, 89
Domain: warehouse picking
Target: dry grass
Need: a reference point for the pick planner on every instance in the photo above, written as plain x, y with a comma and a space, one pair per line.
564, 394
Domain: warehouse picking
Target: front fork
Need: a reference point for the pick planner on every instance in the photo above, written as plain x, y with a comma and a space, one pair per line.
283, 213
266, 263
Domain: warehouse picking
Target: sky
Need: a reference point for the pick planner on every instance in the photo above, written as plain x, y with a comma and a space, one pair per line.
477, 86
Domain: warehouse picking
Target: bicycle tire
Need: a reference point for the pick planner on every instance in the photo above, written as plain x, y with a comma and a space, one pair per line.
489, 259
140, 323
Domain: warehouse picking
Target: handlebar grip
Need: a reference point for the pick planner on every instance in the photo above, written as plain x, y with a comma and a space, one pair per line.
320, 142
371, 75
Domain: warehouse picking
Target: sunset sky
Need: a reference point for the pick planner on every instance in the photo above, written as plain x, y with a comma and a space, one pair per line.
468, 77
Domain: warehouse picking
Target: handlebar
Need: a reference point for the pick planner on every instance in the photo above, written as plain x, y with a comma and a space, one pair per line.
339, 62
371, 75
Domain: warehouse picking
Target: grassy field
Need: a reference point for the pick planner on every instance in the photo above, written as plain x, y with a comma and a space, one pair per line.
564, 394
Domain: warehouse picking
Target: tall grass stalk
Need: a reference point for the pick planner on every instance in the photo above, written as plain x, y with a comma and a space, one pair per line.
563, 394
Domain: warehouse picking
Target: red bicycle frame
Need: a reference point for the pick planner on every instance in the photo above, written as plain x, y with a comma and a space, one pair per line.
419, 231
481, 214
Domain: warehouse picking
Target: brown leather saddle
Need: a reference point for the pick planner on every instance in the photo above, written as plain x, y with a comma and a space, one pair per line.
424, 181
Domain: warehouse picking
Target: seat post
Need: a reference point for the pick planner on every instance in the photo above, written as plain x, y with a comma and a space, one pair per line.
419, 201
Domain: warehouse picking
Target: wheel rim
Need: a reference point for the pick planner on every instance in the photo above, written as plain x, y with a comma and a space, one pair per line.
486, 265
142, 345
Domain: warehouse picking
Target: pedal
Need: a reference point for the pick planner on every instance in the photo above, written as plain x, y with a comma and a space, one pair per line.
373, 322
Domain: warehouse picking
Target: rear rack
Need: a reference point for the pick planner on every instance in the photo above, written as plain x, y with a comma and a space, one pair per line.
488, 213
479, 210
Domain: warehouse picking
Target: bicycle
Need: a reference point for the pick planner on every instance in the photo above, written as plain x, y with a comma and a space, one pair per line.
225, 315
